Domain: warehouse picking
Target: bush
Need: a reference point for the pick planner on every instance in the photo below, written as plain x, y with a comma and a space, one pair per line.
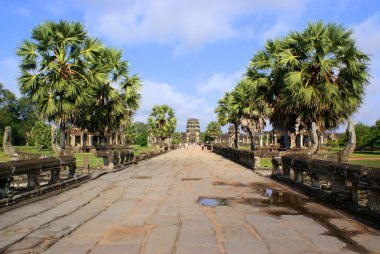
40, 135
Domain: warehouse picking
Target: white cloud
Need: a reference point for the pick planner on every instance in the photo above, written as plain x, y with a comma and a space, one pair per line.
277, 30
367, 34
220, 83
185, 106
186, 24
368, 39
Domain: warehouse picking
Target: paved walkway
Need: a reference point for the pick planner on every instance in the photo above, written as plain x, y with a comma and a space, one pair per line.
152, 208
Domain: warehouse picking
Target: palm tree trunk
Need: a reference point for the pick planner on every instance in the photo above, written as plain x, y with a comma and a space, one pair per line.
313, 139
252, 141
236, 135
102, 140
351, 142
62, 135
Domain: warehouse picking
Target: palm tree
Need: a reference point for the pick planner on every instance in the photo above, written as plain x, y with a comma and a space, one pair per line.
55, 70
327, 73
162, 122
111, 108
245, 99
266, 71
317, 75
227, 113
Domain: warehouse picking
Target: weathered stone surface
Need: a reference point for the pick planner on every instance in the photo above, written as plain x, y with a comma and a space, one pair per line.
158, 212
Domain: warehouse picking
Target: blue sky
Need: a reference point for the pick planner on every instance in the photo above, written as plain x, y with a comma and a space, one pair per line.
190, 52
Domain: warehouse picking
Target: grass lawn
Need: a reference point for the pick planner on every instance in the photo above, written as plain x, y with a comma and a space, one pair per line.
266, 162
140, 149
368, 163
366, 154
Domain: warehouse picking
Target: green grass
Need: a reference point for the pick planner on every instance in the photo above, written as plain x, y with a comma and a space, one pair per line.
93, 162
140, 149
367, 163
366, 154
266, 162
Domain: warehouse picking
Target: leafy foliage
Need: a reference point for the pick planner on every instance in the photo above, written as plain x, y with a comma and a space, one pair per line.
317, 74
130, 134
142, 133
176, 138
71, 77
40, 135
213, 130
20, 114
162, 121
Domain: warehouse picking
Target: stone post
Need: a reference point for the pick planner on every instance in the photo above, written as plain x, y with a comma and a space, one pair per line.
89, 138
292, 141
257, 162
276, 165
72, 140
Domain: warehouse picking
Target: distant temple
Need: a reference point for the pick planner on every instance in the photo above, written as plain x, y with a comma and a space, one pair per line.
192, 131
76, 137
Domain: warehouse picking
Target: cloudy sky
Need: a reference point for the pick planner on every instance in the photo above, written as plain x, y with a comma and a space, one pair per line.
190, 52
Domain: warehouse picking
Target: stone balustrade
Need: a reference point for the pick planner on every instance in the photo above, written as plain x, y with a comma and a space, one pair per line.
243, 157
32, 169
343, 183
115, 156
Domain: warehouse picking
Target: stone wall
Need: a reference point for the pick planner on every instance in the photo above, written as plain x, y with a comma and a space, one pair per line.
352, 186
243, 157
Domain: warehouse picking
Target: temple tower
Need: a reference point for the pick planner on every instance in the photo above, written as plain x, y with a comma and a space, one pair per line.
192, 130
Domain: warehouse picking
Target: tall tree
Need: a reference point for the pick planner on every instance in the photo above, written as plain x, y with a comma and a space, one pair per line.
325, 83
111, 109
162, 122
252, 110
55, 70
317, 74
213, 131
227, 113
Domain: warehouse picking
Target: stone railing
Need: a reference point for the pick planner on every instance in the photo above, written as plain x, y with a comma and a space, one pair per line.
115, 157
348, 185
30, 171
243, 157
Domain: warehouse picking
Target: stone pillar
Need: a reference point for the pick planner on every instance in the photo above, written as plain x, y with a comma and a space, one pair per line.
89, 139
72, 140
274, 141
81, 139
321, 140
292, 141
301, 141
116, 138
260, 140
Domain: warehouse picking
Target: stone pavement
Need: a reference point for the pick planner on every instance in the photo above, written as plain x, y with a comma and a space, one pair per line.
152, 207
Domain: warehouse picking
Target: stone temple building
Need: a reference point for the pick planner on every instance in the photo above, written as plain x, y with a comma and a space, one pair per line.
192, 134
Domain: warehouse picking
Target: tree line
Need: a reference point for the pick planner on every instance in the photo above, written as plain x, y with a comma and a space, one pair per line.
367, 137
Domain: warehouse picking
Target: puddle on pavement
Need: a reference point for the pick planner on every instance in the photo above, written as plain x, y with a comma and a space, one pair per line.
191, 179
140, 177
213, 202
278, 202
